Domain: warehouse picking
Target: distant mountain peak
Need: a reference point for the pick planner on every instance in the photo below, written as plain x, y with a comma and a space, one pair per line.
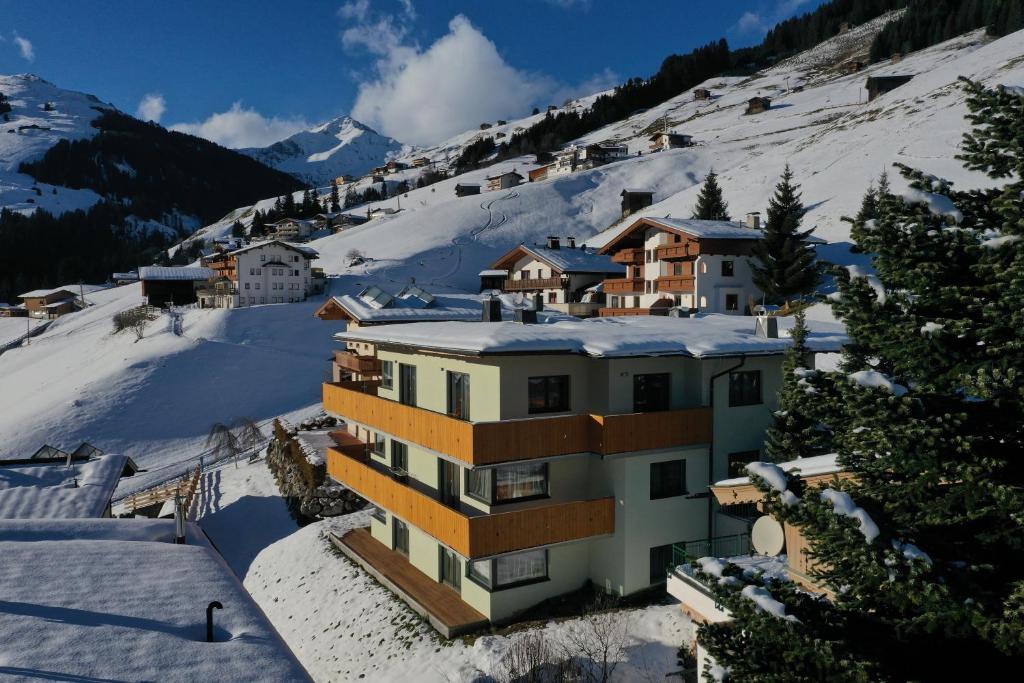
340, 146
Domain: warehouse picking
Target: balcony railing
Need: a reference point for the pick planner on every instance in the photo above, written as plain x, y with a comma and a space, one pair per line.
612, 312
480, 535
668, 252
624, 286
629, 256
676, 283
533, 283
364, 365
488, 443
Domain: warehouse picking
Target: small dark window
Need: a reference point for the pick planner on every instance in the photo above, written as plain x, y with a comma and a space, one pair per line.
668, 479
728, 268
677, 268
744, 388
738, 462
407, 384
387, 369
732, 302
400, 536
549, 394
651, 392
378, 443
552, 297
661, 563
450, 574
399, 456
458, 395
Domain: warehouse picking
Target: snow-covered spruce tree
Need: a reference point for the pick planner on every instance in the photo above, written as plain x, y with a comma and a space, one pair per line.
797, 432
924, 545
784, 264
711, 205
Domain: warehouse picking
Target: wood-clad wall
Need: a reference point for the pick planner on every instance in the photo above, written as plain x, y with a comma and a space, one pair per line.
487, 443
475, 536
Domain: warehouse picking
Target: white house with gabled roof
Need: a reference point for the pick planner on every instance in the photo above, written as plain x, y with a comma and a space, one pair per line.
273, 272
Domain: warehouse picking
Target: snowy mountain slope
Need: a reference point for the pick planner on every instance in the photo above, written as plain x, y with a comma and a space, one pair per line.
156, 399
30, 129
317, 156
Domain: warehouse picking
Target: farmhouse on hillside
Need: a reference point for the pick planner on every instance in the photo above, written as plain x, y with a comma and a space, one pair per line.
465, 189
503, 181
757, 105
173, 285
49, 303
879, 85
273, 272
663, 141
634, 199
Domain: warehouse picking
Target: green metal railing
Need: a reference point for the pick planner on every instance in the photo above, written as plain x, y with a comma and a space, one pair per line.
720, 546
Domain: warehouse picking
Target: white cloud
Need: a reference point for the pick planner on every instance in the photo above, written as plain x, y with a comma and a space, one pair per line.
28, 52
599, 82
356, 10
423, 96
571, 4
759, 23
151, 107
242, 127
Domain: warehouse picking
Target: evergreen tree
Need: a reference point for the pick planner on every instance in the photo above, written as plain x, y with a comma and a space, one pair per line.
711, 206
796, 433
335, 205
926, 554
785, 263
287, 206
237, 229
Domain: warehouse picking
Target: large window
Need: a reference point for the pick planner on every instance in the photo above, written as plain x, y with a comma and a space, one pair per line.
651, 392
458, 395
510, 570
399, 456
449, 569
400, 536
549, 394
387, 374
407, 384
744, 388
508, 483
668, 479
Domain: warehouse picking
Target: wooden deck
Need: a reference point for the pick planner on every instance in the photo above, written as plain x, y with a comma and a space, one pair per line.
440, 604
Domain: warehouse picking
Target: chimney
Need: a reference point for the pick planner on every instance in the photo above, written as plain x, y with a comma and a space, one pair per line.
553, 242
754, 219
571, 241
491, 310
766, 327
179, 519
538, 302
526, 316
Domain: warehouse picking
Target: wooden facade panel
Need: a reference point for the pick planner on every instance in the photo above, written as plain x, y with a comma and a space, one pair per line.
676, 283
686, 249
624, 286
532, 527
489, 443
533, 283
629, 256
420, 510
364, 365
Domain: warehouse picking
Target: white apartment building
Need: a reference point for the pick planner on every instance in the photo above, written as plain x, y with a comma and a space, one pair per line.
273, 272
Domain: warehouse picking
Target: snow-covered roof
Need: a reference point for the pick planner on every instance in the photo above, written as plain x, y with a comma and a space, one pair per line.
567, 259
818, 464
309, 252
502, 175
70, 616
48, 490
493, 272
399, 309
193, 273
719, 230
704, 336
125, 276
37, 293
637, 190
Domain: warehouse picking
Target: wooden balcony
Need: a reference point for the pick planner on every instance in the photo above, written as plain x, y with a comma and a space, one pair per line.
612, 312
480, 535
676, 283
489, 443
533, 283
624, 286
633, 256
670, 252
363, 365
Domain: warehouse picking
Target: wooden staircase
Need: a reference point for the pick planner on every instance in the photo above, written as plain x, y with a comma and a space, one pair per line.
185, 486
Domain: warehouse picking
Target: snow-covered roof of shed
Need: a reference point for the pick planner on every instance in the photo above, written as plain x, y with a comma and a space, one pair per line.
49, 490
705, 336
90, 624
410, 309
36, 293
193, 273
636, 190
818, 464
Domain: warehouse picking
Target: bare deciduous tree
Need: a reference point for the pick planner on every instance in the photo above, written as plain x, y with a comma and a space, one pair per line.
600, 636
221, 442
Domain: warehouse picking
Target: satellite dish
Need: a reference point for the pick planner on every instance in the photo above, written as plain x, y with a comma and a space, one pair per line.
766, 536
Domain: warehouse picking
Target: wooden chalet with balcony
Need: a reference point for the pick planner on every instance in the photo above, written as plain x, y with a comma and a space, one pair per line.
564, 275
689, 264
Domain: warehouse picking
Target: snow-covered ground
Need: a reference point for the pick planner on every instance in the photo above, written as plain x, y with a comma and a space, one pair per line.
343, 625
156, 399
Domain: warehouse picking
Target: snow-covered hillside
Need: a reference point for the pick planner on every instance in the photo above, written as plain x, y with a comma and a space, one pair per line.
836, 142
41, 114
340, 146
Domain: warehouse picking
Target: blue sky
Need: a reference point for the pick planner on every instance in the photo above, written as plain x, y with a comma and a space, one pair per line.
247, 73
